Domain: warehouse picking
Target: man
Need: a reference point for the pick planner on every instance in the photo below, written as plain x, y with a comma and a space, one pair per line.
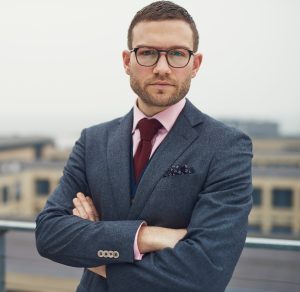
157, 200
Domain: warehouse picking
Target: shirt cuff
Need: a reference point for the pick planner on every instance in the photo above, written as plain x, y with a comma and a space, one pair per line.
137, 255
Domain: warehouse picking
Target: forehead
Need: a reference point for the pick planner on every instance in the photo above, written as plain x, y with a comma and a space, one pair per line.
163, 34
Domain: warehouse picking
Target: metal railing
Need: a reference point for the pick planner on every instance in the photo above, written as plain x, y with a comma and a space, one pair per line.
251, 242
4, 227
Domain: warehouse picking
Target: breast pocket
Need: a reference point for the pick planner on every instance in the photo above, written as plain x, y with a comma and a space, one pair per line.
172, 201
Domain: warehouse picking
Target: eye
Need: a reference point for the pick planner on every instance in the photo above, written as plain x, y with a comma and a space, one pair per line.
147, 52
178, 53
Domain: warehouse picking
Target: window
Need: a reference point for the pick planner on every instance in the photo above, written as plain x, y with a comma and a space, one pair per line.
42, 187
256, 196
254, 228
5, 195
276, 229
38, 151
18, 192
282, 198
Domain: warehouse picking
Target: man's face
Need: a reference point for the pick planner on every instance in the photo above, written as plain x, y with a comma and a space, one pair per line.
160, 85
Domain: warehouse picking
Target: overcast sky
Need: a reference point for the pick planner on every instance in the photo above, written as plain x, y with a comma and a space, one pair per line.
61, 66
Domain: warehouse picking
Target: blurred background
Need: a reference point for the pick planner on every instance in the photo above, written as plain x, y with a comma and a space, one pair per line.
61, 71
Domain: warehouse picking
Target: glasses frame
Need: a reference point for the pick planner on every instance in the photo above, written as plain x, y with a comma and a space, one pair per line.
191, 53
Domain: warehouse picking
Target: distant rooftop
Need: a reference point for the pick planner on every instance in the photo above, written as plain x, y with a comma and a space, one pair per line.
19, 166
276, 171
15, 142
255, 129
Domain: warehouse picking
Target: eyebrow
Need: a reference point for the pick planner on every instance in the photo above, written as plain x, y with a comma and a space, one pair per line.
161, 48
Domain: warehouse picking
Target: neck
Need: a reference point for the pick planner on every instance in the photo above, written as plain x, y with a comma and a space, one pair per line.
148, 110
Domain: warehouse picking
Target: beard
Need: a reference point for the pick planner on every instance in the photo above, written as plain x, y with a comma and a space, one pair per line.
160, 97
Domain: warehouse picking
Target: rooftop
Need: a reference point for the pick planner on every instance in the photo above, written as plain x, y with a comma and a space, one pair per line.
276, 171
15, 142
13, 167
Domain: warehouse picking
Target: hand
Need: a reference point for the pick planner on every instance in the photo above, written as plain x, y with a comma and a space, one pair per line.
85, 209
152, 238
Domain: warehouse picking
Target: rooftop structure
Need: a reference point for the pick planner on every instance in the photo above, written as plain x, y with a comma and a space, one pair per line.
255, 129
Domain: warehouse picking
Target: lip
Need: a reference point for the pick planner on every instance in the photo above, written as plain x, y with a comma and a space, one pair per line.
162, 84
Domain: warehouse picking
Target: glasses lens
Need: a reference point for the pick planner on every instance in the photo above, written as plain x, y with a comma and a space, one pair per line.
178, 57
146, 56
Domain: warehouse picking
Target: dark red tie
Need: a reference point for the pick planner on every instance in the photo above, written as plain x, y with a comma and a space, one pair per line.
148, 128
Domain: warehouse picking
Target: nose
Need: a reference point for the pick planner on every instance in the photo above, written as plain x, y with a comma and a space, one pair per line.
162, 67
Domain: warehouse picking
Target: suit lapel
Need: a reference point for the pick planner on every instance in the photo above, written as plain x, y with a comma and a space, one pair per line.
118, 155
177, 141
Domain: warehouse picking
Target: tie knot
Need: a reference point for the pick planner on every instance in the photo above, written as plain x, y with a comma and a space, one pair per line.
148, 128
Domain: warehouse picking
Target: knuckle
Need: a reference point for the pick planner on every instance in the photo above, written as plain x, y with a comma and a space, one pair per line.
90, 213
84, 216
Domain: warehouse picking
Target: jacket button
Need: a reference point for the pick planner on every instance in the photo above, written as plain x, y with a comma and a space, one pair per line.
110, 254
100, 253
116, 254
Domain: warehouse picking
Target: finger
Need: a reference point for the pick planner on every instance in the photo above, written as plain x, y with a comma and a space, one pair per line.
101, 270
87, 208
78, 205
90, 201
75, 212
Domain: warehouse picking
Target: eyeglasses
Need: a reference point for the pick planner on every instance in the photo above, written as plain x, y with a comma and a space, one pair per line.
176, 58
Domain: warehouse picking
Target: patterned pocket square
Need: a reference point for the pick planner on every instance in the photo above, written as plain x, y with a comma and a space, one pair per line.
179, 170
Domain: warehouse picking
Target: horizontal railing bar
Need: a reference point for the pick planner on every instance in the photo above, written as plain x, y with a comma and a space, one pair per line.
258, 240
7, 225
251, 242
272, 243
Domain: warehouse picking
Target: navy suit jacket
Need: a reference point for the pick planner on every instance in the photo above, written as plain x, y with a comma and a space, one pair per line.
212, 202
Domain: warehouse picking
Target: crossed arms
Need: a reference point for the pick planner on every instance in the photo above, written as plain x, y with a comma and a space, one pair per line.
150, 238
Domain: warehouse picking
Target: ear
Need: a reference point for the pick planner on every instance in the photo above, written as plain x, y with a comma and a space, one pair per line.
126, 61
196, 64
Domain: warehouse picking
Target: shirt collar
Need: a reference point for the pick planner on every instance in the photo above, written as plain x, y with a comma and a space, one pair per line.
166, 117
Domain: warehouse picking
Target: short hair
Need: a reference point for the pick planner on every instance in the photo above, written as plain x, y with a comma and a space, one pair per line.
163, 10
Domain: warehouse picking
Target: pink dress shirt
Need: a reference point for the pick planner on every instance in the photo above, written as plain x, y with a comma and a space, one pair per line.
167, 118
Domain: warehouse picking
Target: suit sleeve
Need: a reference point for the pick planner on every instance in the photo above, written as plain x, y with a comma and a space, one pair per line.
205, 258
73, 241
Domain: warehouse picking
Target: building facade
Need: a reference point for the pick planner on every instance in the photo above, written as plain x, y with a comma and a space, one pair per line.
276, 182
31, 169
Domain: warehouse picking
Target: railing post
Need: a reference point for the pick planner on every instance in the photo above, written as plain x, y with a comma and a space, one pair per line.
2, 261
